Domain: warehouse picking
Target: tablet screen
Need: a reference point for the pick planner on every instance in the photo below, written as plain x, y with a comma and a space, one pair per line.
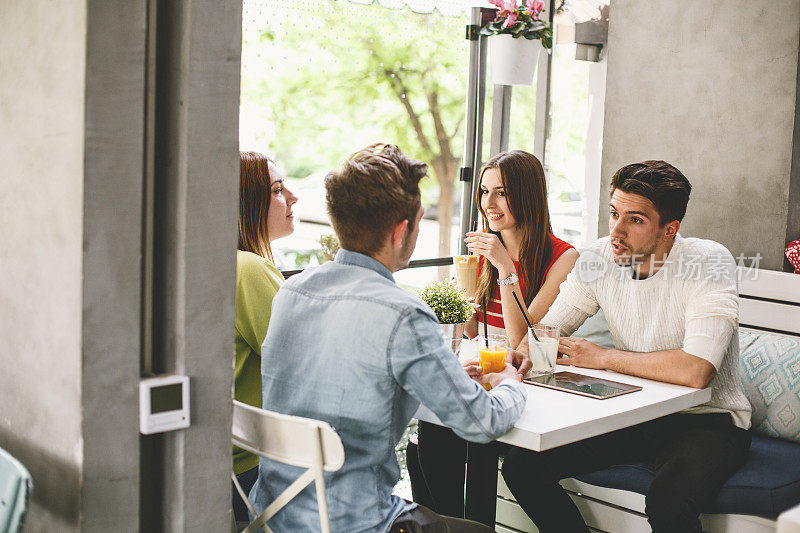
584, 385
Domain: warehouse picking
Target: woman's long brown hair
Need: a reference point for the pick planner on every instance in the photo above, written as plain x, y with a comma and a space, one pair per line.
523, 179
255, 192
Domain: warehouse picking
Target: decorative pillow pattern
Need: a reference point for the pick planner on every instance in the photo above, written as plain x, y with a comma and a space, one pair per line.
770, 373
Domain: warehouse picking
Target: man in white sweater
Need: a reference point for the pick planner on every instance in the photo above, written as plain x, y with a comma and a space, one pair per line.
671, 306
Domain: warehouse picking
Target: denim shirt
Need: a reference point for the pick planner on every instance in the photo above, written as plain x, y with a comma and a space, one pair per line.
347, 346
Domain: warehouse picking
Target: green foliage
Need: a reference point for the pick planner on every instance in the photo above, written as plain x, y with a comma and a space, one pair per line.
322, 79
306, 259
400, 449
330, 78
448, 301
330, 245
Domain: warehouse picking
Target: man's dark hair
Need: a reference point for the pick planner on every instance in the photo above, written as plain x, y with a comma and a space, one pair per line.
659, 182
375, 189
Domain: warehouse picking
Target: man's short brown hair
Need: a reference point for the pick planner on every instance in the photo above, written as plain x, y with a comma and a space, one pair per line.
659, 182
375, 189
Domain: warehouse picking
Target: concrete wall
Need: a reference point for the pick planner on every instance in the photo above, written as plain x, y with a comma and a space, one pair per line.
793, 219
108, 111
709, 87
42, 78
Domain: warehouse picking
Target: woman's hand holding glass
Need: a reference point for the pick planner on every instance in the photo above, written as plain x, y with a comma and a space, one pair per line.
489, 246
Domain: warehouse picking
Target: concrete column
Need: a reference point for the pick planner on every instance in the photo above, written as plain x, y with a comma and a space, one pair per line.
194, 218
710, 87
112, 263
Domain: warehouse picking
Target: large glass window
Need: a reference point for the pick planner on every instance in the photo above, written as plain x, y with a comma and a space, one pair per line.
322, 79
571, 160
566, 145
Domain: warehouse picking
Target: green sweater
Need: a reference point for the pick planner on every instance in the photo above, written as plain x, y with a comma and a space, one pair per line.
257, 281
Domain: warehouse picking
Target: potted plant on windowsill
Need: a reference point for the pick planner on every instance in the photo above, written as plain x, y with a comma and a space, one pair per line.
451, 306
516, 34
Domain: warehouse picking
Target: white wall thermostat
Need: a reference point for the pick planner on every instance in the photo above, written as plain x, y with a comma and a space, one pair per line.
163, 404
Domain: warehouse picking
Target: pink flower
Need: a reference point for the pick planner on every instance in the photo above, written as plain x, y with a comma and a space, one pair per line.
509, 5
511, 19
506, 11
534, 7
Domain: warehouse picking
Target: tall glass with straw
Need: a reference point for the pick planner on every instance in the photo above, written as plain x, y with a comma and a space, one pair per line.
492, 350
542, 344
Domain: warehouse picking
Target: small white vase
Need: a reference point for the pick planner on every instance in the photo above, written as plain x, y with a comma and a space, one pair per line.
514, 60
453, 331
453, 335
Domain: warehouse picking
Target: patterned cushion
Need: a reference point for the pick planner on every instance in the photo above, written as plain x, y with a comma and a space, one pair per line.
770, 373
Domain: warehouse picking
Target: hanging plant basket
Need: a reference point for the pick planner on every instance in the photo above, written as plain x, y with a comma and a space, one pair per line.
513, 60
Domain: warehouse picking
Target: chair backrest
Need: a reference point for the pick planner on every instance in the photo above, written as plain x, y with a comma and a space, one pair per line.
16, 487
769, 300
285, 438
291, 440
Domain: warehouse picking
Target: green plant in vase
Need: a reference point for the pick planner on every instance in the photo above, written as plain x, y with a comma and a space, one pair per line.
452, 308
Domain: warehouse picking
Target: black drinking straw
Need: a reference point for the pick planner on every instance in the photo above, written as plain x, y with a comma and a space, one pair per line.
485, 327
524, 315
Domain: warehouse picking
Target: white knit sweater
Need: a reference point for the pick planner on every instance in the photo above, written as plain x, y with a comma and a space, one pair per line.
691, 303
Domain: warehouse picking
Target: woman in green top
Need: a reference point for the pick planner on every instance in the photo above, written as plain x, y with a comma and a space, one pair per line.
265, 214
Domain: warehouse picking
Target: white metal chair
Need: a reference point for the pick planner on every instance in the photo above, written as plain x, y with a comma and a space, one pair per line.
291, 440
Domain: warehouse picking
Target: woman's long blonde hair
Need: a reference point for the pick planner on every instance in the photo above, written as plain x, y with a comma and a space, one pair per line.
523, 179
255, 192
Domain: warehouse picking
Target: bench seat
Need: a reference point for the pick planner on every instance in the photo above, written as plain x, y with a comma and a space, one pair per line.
767, 484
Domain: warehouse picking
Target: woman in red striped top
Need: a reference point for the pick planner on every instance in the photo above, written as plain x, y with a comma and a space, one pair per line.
518, 244
517, 247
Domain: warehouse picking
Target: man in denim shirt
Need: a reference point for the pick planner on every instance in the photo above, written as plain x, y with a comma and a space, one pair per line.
347, 346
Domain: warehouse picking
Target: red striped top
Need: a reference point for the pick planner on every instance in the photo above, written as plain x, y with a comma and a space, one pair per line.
494, 311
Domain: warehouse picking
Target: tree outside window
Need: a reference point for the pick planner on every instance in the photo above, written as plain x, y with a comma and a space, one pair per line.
321, 79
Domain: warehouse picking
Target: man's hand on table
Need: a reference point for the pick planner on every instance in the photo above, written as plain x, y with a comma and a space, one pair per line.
475, 371
495, 378
669, 366
520, 361
581, 353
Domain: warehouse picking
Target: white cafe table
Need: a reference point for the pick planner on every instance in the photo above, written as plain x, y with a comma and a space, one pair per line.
553, 418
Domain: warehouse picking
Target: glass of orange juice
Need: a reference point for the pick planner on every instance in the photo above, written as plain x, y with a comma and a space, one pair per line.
492, 354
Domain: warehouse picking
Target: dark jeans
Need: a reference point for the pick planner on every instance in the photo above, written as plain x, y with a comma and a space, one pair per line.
423, 520
438, 468
692, 455
246, 480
